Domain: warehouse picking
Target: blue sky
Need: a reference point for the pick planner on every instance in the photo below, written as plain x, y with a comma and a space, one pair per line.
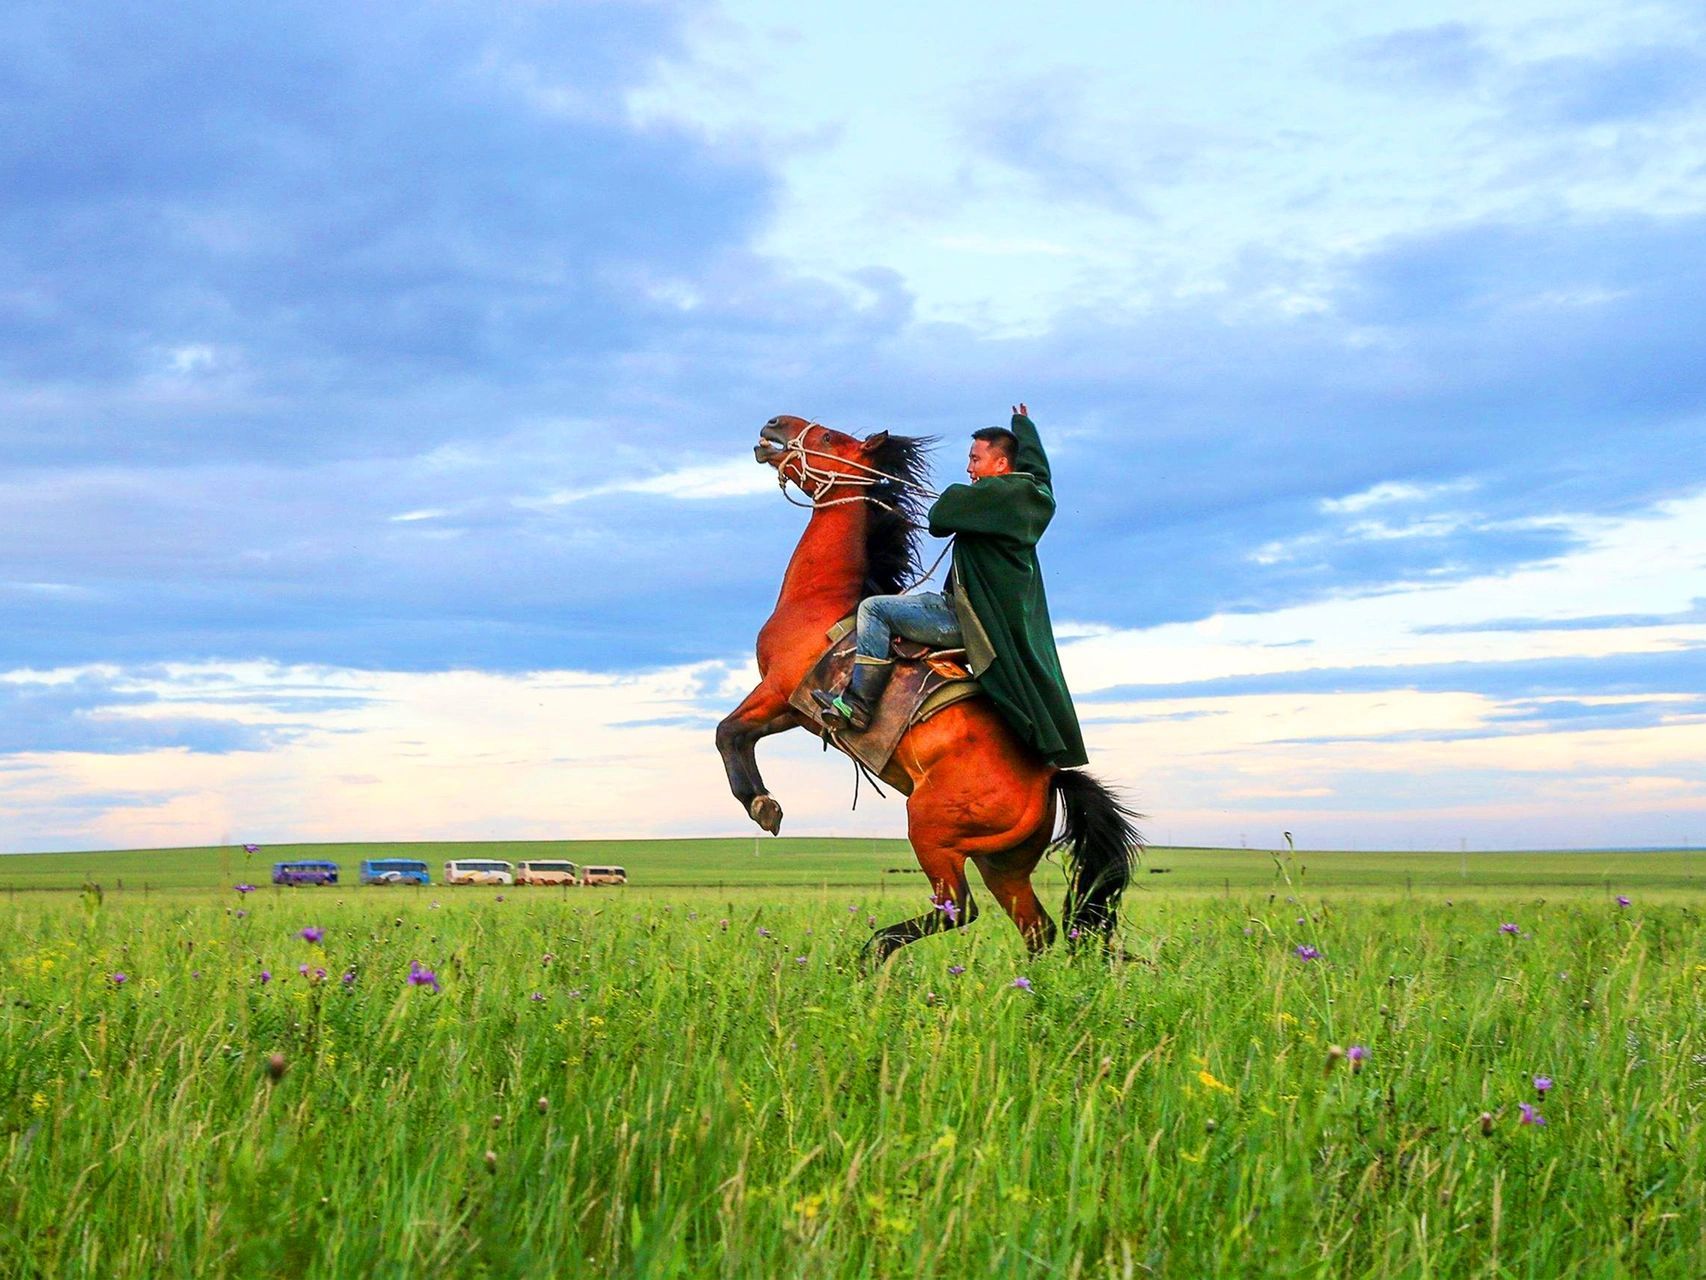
364, 373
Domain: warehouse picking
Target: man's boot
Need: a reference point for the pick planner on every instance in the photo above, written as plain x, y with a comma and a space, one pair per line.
853, 707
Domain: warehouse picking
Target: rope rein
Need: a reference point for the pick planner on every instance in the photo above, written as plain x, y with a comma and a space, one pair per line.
821, 480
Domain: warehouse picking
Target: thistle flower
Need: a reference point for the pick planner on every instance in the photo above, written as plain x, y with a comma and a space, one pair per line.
763, 932
251, 848
1022, 983
1306, 952
1486, 1124
421, 976
1542, 1084
1530, 1115
1508, 927
242, 915
302, 969
244, 888
349, 978
266, 976
799, 959
119, 979
275, 1065
1356, 1055
1622, 901
313, 933
537, 997
956, 969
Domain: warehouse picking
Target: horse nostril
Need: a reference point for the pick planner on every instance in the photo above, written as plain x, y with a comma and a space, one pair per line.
774, 422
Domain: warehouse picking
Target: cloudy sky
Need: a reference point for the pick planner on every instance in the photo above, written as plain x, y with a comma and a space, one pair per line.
378, 382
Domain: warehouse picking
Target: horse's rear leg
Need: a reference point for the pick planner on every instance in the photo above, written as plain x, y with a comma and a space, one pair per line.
1009, 879
950, 894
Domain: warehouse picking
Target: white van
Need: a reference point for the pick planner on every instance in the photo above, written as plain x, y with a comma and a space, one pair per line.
478, 871
604, 875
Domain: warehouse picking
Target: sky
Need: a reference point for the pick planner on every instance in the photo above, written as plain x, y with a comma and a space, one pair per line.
378, 385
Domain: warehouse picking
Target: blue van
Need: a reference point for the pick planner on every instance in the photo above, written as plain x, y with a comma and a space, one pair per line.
294, 873
394, 871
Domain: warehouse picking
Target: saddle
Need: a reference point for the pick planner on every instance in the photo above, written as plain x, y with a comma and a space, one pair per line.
924, 681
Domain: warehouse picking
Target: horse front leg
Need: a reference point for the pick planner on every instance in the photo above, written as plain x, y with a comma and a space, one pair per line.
760, 714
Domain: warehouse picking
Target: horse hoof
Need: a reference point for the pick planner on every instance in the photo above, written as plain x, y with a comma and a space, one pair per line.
766, 813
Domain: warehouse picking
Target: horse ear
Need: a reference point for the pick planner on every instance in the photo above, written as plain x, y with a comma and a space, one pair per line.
873, 443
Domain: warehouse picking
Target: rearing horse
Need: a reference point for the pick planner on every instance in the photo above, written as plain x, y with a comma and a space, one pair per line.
974, 790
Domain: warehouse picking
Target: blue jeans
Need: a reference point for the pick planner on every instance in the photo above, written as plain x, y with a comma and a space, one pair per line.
927, 618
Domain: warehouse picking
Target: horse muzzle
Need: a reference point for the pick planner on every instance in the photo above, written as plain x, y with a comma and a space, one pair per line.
772, 443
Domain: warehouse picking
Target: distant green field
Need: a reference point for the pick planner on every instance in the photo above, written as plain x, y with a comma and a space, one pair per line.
802, 862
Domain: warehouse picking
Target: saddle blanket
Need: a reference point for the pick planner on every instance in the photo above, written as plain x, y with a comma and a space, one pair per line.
924, 682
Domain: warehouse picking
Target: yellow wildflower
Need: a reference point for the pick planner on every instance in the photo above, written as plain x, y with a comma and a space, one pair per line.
1209, 1082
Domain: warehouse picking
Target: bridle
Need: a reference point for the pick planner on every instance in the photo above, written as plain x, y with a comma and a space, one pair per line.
815, 481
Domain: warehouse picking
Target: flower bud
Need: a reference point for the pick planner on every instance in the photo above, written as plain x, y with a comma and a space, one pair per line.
491, 1161
275, 1066
1486, 1124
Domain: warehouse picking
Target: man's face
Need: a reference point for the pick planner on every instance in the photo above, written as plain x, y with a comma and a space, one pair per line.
987, 459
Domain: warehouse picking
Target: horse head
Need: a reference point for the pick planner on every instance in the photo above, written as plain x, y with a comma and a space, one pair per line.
812, 455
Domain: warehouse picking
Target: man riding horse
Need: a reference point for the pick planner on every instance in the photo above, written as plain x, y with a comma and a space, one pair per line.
994, 606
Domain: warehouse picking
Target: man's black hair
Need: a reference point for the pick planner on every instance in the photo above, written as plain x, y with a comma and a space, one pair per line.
1000, 435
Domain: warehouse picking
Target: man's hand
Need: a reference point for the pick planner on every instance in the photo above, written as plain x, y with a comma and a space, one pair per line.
1020, 410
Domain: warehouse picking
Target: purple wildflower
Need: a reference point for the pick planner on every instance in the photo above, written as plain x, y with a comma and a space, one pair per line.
537, 997
313, 933
1530, 1115
1356, 1055
319, 974
244, 888
500, 897
956, 969
119, 979
1073, 934
949, 908
349, 978
1508, 927
195, 973
1542, 1084
266, 976
723, 925
1306, 952
1622, 901
302, 969
1022, 983
799, 959
251, 848
763, 932
853, 908
242, 915
547, 958
421, 976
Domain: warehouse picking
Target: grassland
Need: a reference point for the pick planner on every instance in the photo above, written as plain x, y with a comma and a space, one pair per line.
806, 862
695, 1080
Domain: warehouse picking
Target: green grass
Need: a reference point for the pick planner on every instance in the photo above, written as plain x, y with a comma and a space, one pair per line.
806, 862
720, 1102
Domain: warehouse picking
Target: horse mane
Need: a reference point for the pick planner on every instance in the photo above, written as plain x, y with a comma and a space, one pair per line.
891, 536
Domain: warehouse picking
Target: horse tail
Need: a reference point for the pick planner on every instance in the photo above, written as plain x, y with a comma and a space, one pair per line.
1101, 841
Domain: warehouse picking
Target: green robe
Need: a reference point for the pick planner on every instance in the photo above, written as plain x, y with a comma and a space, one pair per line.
997, 590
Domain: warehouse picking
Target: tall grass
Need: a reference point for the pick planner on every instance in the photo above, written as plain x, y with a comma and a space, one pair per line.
696, 1083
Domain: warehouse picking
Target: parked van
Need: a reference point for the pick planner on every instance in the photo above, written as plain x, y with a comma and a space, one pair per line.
478, 871
536, 871
394, 871
294, 873
604, 875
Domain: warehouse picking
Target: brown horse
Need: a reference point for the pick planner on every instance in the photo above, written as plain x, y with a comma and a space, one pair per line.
974, 790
